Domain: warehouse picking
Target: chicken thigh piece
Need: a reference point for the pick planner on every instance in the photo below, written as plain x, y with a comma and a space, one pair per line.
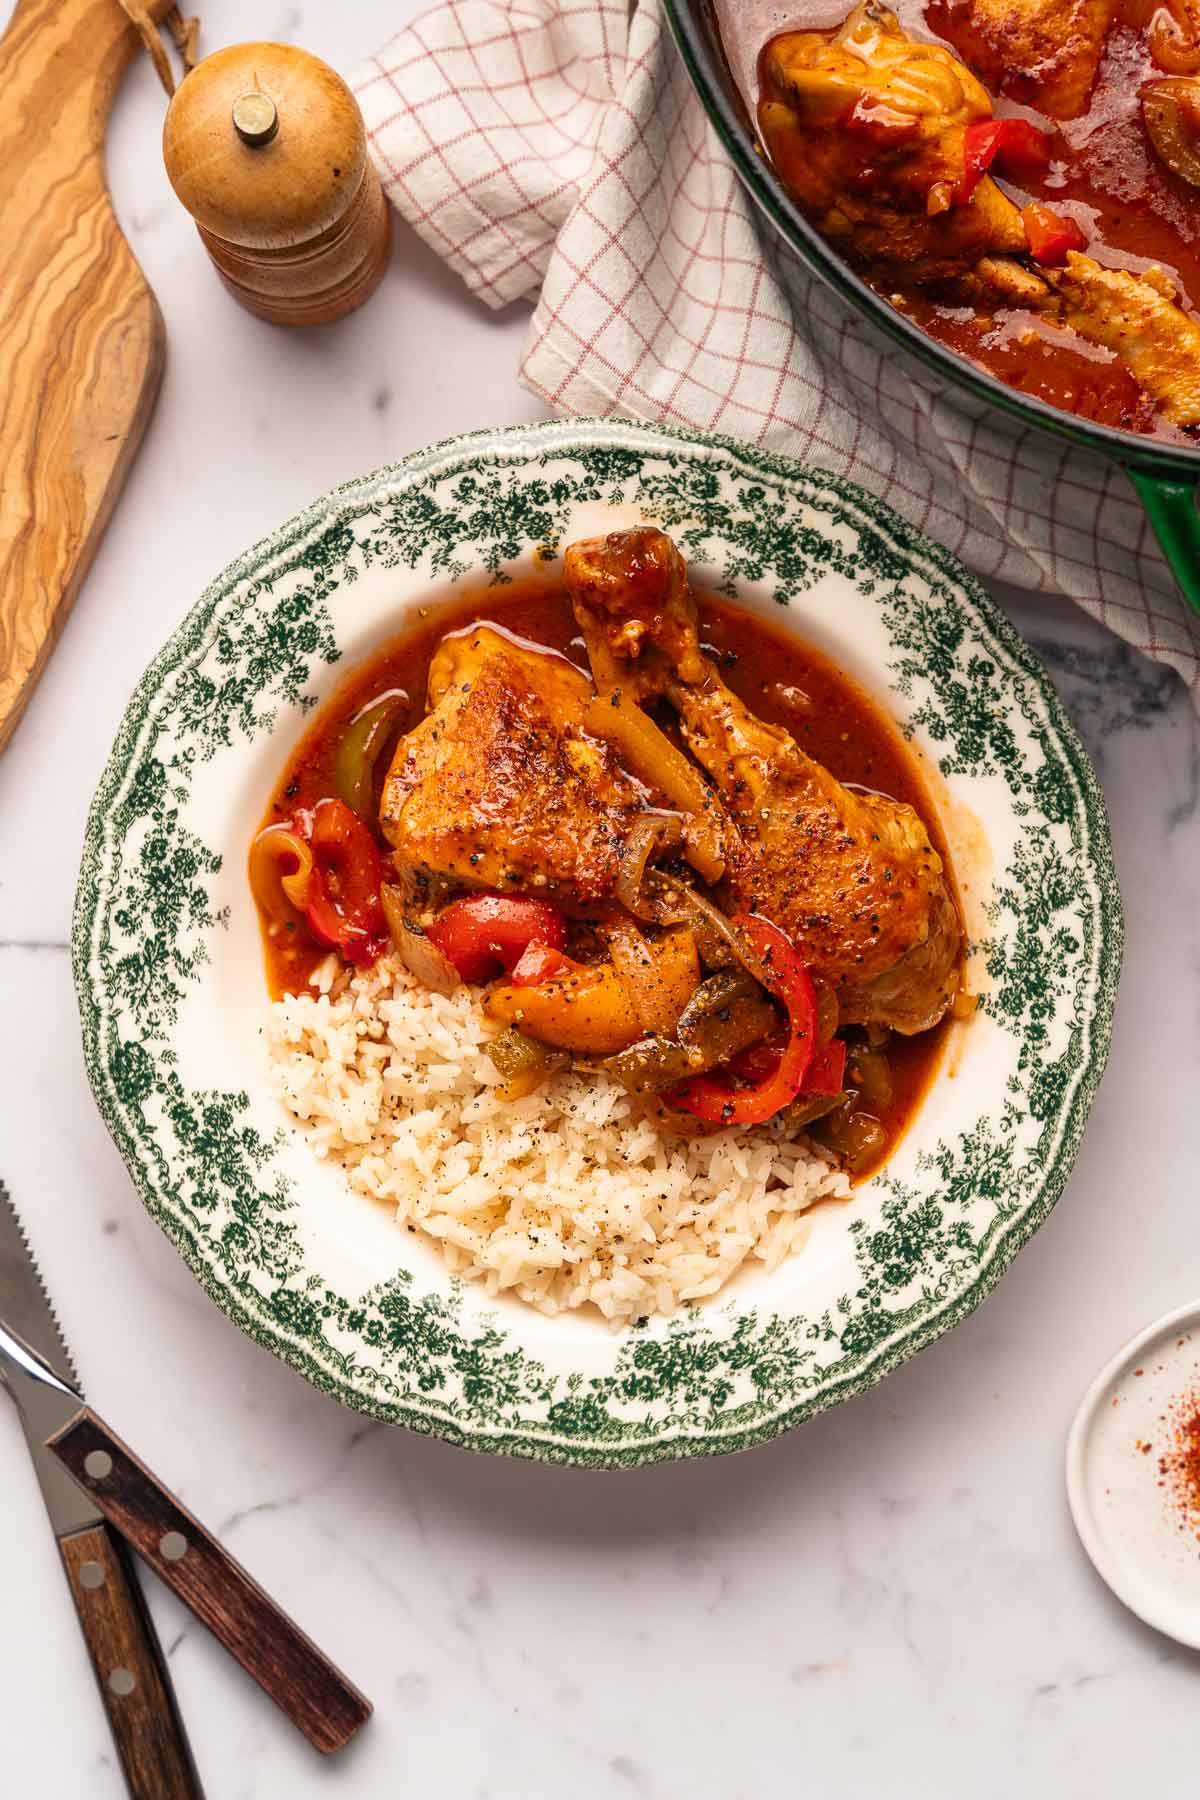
1043, 52
867, 129
1136, 317
852, 878
500, 786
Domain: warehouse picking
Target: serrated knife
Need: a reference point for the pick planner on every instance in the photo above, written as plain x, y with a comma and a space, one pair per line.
100, 1497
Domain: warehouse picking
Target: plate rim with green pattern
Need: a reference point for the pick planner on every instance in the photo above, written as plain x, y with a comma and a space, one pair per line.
163, 940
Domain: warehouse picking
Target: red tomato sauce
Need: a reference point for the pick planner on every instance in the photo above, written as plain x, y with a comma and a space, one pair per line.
1105, 175
784, 681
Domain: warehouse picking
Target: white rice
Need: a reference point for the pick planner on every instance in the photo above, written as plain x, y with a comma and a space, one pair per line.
563, 1198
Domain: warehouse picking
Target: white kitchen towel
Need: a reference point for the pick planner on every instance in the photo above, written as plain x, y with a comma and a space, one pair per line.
555, 151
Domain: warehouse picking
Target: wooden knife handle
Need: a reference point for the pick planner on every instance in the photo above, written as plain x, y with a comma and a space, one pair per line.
315, 1695
129, 1666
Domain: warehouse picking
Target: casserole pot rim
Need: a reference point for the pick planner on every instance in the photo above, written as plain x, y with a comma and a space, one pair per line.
696, 38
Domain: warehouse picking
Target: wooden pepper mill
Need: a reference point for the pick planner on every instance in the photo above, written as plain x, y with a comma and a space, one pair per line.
265, 146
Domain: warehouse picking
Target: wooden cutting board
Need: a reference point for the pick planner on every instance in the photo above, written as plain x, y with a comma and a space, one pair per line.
81, 337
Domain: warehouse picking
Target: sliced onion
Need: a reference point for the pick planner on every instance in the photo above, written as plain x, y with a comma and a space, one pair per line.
419, 954
827, 1014
651, 833
1171, 109
651, 756
423, 896
281, 865
1172, 36
634, 961
693, 905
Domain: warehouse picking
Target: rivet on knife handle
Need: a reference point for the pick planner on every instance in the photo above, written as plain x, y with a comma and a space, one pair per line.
127, 1658
287, 1665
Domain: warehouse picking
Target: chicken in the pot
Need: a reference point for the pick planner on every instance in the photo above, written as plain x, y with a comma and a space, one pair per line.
867, 129
1133, 316
1043, 52
886, 142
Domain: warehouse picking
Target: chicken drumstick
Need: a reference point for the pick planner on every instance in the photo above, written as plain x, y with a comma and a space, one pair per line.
852, 878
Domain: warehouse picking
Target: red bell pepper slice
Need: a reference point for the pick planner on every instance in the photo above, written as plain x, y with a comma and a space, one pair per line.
1017, 150
1050, 236
826, 1072
778, 965
538, 963
343, 907
485, 933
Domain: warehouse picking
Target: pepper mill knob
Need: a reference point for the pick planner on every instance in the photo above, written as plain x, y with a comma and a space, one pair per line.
265, 147
255, 119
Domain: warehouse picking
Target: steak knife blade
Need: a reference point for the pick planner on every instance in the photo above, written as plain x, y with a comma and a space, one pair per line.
26, 1312
24, 1303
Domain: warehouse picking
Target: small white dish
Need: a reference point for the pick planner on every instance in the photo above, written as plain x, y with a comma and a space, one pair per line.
1126, 1493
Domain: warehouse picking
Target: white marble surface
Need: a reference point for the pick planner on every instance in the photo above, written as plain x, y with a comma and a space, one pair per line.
890, 1602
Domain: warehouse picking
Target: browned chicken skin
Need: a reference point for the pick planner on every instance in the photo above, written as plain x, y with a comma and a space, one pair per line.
1135, 316
1043, 52
866, 127
499, 786
628, 591
502, 786
852, 878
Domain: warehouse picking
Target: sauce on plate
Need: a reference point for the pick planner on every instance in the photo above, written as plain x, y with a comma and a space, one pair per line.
785, 681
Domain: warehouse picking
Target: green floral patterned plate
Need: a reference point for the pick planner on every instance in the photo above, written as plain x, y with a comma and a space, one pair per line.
172, 998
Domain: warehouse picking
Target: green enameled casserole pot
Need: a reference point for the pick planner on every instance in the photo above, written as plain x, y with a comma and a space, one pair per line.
1166, 476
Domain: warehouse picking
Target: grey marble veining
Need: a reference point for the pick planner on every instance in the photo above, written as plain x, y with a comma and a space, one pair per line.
1109, 687
888, 1604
